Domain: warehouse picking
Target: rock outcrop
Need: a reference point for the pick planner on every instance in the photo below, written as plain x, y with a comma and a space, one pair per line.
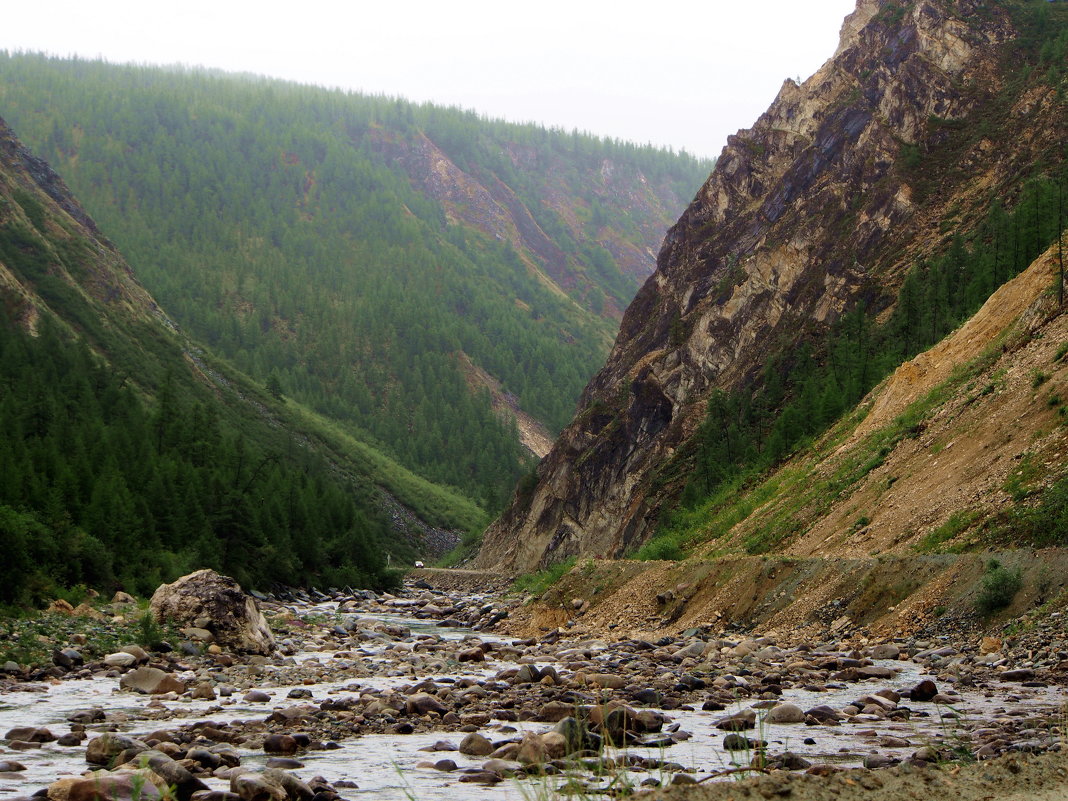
209, 601
816, 208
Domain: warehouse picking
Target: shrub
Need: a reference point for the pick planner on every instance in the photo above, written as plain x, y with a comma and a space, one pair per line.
998, 587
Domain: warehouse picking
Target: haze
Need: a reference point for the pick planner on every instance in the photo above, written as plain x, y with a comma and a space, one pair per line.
683, 75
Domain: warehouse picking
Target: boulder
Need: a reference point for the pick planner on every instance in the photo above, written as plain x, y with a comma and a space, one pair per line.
474, 744
532, 749
424, 704
256, 787
152, 681
120, 659
218, 601
923, 691
103, 749
30, 734
885, 651
138, 785
739, 721
785, 713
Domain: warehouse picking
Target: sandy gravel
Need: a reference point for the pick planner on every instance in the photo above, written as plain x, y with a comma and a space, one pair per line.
1009, 778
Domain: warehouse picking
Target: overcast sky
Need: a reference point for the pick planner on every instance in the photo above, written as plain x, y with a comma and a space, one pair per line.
682, 74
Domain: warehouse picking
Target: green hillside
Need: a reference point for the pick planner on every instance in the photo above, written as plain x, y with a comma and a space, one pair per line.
348, 251
130, 456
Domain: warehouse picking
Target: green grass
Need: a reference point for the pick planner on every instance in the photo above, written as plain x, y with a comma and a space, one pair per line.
437, 505
957, 523
796, 492
537, 583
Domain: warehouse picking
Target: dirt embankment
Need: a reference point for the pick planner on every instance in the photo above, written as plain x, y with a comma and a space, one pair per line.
793, 599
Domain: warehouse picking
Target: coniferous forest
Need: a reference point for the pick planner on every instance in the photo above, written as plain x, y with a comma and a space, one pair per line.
286, 228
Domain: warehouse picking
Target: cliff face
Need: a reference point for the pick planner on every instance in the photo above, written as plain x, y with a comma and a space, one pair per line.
816, 207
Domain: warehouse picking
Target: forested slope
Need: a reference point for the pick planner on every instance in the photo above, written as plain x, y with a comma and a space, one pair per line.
129, 455
352, 251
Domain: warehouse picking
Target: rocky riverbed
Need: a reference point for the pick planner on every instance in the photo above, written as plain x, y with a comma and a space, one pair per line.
423, 694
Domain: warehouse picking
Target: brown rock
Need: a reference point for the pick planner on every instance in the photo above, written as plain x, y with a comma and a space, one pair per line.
233, 617
151, 681
474, 744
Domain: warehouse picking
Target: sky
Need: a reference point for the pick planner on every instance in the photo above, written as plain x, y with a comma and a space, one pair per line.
677, 74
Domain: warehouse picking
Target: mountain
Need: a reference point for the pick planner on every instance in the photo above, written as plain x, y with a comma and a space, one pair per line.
869, 212
132, 455
431, 281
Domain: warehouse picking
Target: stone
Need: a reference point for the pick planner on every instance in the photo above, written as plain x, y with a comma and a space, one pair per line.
152, 681
67, 658
532, 749
30, 734
785, 713
137, 652
1020, 674
608, 681
121, 597
204, 690
424, 704
103, 749
555, 711
472, 655
739, 721
923, 691
279, 744
138, 785
474, 744
256, 697
120, 660
11, 766
255, 787
989, 645
60, 607
528, 674
234, 619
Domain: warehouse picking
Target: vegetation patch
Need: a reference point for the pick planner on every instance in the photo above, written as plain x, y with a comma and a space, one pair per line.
538, 583
997, 589
957, 523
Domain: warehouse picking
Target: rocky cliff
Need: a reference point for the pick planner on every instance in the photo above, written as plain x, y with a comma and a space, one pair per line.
824, 203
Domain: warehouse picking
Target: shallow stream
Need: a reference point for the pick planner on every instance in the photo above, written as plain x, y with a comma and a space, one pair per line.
384, 766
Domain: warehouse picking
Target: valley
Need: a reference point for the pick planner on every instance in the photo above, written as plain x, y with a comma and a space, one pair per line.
772, 505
